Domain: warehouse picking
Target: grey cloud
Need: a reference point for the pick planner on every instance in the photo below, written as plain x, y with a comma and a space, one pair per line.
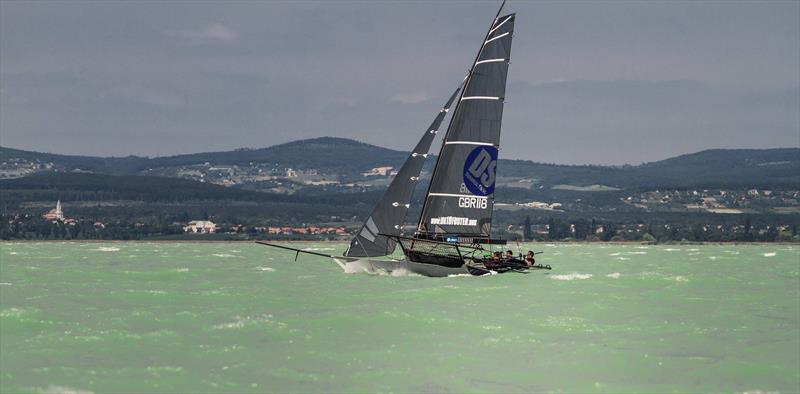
600, 82
212, 32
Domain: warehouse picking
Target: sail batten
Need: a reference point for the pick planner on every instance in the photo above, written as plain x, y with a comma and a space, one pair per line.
388, 215
461, 194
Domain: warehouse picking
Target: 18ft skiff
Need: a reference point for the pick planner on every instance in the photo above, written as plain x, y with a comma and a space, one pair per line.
456, 220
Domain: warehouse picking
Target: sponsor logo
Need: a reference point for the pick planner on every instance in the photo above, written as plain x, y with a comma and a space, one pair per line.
480, 168
454, 221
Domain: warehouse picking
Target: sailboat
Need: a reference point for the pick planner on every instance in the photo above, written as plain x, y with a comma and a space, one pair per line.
454, 229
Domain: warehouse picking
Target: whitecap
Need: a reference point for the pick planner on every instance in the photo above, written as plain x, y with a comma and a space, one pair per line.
615, 254
459, 275
268, 269
5, 284
225, 255
614, 275
107, 249
679, 278
53, 389
637, 252
572, 276
623, 258
770, 254
671, 250
182, 270
12, 253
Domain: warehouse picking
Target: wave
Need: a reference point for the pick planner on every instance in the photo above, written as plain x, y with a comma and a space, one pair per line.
614, 275
572, 276
107, 249
770, 254
267, 269
53, 389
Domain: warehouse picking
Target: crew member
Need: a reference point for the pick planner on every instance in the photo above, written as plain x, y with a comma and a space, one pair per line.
529, 260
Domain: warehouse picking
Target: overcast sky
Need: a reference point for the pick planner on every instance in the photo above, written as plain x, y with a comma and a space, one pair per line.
590, 82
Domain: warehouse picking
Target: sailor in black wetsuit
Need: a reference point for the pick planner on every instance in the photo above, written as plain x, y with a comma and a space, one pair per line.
529, 260
510, 261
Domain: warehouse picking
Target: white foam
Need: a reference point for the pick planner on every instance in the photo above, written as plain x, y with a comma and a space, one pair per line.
53, 389
225, 255
240, 322
183, 270
622, 258
672, 250
12, 253
679, 278
268, 269
637, 252
5, 284
107, 249
615, 254
614, 275
770, 254
572, 276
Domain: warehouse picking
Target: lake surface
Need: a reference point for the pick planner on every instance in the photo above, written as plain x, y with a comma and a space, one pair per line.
211, 317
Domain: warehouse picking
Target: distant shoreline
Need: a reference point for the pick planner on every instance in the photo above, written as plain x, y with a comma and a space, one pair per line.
511, 243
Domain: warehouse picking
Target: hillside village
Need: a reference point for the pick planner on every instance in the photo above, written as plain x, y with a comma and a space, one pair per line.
279, 192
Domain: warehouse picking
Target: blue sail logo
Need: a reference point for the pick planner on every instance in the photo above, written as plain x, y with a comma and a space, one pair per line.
480, 169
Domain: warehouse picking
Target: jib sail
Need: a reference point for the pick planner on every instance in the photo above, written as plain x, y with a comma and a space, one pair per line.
461, 193
388, 215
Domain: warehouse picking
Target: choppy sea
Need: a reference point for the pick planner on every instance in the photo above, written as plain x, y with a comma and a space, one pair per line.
239, 317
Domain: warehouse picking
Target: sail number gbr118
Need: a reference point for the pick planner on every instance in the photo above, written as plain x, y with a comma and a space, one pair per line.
473, 202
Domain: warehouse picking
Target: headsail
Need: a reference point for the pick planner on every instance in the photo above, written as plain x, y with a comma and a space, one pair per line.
388, 215
461, 194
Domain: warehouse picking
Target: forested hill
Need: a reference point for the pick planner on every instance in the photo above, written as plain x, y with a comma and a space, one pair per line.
335, 154
344, 160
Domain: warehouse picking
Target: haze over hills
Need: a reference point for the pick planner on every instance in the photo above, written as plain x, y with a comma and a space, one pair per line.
342, 162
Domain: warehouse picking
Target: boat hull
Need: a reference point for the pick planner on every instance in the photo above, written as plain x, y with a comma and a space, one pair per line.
404, 267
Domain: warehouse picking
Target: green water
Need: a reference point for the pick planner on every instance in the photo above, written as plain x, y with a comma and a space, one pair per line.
238, 317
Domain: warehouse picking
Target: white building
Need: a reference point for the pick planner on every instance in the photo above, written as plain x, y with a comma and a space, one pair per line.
200, 227
55, 214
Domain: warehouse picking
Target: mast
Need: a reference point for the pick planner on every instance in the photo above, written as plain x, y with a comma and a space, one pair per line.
420, 224
478, 127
